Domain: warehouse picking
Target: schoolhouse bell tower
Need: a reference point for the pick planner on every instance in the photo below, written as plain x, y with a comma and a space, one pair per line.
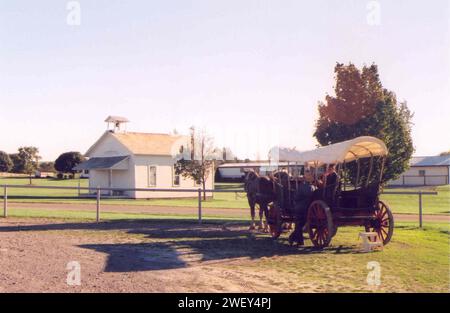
116, 124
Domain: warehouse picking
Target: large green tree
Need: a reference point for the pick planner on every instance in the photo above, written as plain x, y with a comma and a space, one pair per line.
28, 160
17, 163
67, 161
362, 107
5, 162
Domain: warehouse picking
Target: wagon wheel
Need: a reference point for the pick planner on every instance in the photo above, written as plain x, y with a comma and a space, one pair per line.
383, 224
334, 231
274, 221
320, 221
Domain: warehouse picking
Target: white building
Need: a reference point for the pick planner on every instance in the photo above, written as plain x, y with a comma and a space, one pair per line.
236, 171
424, 171
120, 159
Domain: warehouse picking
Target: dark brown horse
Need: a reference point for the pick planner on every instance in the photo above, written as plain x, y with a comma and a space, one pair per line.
260, 190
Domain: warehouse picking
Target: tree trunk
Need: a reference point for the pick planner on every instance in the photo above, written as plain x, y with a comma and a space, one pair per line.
204, 187
30, 179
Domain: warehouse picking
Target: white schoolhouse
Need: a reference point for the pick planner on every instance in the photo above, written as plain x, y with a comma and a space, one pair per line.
121, 159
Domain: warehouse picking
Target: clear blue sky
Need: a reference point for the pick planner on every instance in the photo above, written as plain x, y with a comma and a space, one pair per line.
250, 72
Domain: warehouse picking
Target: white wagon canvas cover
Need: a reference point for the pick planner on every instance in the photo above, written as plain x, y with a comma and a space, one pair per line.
346, 151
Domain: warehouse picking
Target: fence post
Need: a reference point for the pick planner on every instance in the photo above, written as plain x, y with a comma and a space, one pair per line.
98, 206
5, 202
199, 206
420, 209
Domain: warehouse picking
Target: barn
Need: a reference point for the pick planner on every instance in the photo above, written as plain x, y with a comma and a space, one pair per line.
131, 160
425, 171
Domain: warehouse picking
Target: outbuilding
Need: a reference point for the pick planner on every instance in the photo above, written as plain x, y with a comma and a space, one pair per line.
425, 171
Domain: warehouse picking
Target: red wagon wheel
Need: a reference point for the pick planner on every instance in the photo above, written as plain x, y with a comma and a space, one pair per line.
274, 221
383, 223
320, 224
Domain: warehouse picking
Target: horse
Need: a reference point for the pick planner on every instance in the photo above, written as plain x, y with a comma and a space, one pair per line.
260, 190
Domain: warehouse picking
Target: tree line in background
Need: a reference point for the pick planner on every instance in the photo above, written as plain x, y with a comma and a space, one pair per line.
26, 161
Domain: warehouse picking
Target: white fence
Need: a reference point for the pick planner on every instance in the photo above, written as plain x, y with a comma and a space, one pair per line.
199, 192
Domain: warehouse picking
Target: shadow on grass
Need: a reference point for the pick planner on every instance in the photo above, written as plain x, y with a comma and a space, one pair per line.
179, 244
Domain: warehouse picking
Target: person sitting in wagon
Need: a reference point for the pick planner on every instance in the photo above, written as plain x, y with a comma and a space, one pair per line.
331, 177
329, 180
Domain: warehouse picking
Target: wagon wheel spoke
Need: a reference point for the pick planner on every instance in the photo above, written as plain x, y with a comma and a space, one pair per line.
319, 213
320, 223
382, 237
314, 236
320, 238
313, 214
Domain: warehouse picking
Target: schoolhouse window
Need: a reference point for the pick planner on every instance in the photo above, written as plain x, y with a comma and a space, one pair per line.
175, 177
151, 175
421, 172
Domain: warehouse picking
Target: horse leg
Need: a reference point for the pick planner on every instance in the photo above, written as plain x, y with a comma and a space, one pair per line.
252, 212
261, 221
264, 210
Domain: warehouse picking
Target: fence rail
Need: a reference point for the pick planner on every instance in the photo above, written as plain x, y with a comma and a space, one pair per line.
199, 191
421, 180
98, 191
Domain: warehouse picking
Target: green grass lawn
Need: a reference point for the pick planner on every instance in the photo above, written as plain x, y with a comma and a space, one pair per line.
439, 204
414, 261
432, 204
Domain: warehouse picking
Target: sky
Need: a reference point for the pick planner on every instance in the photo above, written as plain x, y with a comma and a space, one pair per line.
248, 72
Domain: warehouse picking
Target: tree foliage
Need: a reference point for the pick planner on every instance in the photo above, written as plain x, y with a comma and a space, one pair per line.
362, 107
67, 161
46, 166
29, 159
26, 160
6, 164
16, 162
197, 164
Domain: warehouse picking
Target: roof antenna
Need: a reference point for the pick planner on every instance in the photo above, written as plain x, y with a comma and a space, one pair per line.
116, 123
